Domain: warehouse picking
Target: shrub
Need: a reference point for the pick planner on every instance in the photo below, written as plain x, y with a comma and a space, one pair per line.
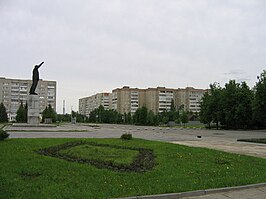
3, 134
126, 136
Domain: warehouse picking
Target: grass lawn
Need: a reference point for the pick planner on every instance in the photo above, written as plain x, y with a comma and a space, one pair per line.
24, 173
261, 141
119, 156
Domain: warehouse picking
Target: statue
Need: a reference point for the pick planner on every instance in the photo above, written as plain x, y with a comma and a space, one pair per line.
35, 79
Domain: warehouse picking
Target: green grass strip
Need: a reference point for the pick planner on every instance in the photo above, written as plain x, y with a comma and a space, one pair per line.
261, 140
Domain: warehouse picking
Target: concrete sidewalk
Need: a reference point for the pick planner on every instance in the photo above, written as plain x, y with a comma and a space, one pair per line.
249, 193
255, 191
244, 148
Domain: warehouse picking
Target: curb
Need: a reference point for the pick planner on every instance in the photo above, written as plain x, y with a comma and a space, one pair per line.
4, 127
197, 193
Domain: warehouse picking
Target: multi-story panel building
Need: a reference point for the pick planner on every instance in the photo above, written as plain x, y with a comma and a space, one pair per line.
134, 101
166, 96
15, 91
88, 104
128, 100
159, 99
189, 98
152, 99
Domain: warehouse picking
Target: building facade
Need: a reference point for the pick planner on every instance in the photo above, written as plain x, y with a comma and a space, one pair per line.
189, 99
15, 91
128, 100
88, 104
159, 99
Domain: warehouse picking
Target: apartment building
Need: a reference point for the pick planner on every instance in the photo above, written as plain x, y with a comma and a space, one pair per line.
88, 104
165, 97
189, 98
15, 91
128, 100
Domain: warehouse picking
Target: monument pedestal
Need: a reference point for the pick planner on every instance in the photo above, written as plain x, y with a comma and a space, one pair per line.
34, 109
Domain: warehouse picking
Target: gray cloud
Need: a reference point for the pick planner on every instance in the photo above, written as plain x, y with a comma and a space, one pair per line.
235, 72
91, 46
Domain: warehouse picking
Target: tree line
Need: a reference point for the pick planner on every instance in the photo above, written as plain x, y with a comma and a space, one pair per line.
48, 112
142, 116
235, 106
22, 114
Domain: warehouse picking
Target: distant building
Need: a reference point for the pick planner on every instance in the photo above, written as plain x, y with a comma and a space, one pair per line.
190, 98
15, 91
159, 99
88, 104
128, 100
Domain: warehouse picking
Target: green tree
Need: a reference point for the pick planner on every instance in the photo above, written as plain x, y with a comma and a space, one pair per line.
231, 106
3, 114
184, 117
205, 109
163, 117
64, 117
100, 114
79, 117
172, 114
113, 116
125, 118
129, 118
49, 112
151, 118
216, 103
107, 116
22, 113
141, 116
211, 105
237, 105
173, 108
230, 101
136, 116
259, 103
243, 114
92, 117
120, 118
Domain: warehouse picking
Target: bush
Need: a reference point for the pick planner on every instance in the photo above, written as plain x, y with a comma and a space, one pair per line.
3, 134
126, 136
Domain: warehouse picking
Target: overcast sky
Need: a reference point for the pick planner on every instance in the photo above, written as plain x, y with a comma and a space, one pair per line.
92, 46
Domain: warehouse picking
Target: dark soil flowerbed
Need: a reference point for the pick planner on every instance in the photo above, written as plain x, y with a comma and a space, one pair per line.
142, 161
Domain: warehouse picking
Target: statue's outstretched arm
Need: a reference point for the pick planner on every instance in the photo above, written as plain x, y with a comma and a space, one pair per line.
40, 64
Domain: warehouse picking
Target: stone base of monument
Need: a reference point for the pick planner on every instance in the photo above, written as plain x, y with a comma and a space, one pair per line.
33, 110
